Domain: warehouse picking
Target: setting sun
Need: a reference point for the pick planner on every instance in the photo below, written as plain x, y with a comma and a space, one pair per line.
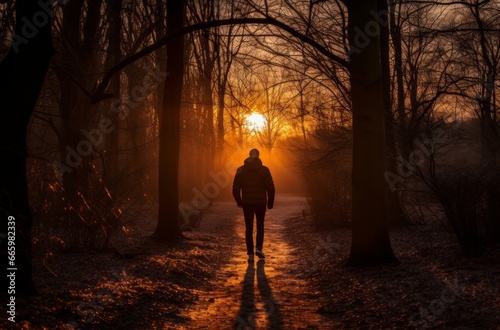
256, 121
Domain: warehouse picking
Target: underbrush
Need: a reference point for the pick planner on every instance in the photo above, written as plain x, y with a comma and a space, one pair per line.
470, 201
87, 219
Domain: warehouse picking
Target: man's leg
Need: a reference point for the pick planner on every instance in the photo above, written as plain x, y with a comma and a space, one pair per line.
248, 213
260, 212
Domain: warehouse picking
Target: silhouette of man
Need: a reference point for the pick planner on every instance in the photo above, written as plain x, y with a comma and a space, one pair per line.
253, 188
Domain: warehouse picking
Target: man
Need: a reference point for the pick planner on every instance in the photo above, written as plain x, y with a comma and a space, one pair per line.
253, 188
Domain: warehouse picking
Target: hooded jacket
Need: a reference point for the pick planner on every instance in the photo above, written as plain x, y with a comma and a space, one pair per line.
253, 184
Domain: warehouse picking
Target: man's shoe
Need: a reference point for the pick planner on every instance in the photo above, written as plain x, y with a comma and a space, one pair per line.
250, 257
260, 254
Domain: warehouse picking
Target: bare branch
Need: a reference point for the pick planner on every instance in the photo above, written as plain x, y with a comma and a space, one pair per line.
99, 91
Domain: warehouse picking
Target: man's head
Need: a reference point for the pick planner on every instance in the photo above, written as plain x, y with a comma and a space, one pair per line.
254, 153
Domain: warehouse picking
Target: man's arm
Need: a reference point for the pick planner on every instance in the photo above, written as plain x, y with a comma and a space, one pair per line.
237, 188
270, 189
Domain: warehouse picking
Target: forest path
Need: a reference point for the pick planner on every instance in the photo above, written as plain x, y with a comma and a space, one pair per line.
264, 294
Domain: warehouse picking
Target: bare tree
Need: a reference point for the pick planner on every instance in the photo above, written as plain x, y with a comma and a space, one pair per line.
22, 75
370, 237
168, 228
481, 47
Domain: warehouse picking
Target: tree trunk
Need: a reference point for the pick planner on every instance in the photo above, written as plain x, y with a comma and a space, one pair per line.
114, 9
22, 75
221, 94
370, 236
487, 118
395, 32
395, 214
168, 229
76, 57
207, 121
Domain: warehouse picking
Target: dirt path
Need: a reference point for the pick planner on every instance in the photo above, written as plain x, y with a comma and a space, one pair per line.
262, 294
205, 282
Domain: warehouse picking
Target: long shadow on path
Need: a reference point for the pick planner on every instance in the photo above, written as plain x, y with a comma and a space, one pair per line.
251, 316
247, 306
270, 302
257, 295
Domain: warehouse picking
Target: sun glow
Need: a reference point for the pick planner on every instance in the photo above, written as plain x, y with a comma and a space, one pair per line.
256, 121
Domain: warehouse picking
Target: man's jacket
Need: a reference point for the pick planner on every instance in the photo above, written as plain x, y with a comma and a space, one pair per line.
253, 184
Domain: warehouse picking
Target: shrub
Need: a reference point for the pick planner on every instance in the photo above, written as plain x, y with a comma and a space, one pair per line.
470, 202
330, 195
326, 169
87, 220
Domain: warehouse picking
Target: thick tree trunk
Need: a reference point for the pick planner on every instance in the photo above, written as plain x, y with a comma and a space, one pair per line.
370, 237
22, 75
168, 229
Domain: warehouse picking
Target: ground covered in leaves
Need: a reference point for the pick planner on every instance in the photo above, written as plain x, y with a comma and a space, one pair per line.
435, 286
205, 282
145, 288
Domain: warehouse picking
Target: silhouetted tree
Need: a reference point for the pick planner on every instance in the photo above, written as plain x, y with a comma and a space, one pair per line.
484, 50
168, 228
395, 213
370, 236
22, 74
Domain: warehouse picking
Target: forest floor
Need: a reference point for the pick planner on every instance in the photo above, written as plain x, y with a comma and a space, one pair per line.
205, 282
